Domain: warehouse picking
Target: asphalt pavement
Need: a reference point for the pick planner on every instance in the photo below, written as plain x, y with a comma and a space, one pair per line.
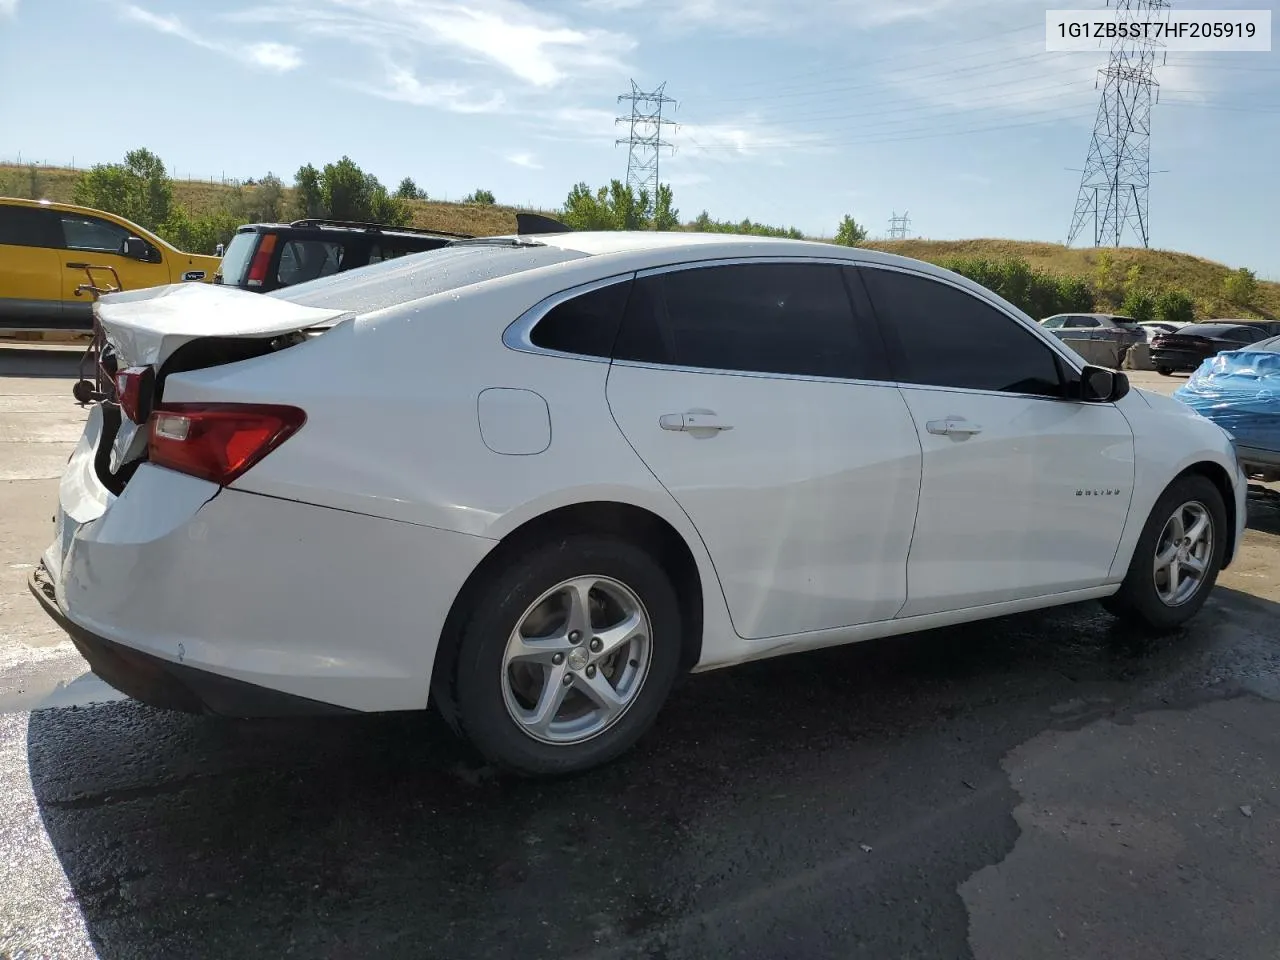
1048, 786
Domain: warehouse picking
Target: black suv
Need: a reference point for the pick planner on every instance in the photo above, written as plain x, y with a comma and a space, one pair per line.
267, 256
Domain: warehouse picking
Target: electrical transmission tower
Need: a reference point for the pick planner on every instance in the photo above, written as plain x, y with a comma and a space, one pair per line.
1117, 174
898, 226
645, 141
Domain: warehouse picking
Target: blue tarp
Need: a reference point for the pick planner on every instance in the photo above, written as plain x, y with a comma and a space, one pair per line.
1240, 391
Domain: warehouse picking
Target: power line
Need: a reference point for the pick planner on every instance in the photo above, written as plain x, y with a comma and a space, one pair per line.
898, 226
1117, 173
645, 141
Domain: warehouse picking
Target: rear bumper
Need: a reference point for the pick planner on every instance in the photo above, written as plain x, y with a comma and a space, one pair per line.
171, 686
236, 593
1178, 359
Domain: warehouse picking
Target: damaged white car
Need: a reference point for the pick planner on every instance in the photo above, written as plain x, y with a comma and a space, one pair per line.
532, 481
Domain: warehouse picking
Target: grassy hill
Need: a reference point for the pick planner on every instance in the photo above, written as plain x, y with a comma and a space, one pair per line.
1202, 279
202, 196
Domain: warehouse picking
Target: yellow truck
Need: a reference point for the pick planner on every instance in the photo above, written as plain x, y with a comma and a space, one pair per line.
45, 248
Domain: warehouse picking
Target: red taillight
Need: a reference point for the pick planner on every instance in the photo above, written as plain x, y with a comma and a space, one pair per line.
218, 441
261, 261
134, 388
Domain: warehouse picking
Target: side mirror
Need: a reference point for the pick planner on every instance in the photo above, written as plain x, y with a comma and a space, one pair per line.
1100, 385
218, 250
135, 248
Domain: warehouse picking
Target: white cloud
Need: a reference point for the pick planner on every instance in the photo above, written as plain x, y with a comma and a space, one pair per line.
277, 57
402, 85
519, 39
526, 160
8, 8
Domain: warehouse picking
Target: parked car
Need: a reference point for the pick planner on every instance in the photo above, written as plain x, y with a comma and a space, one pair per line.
1239, 390
45, 249
533, 480
1270, 328
1153, 328
266, 256
1192, 344
1095, 326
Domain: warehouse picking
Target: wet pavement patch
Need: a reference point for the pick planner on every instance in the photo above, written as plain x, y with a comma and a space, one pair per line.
1159, 838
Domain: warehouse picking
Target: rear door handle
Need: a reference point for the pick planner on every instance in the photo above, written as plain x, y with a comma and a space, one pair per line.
687, 422
952, 427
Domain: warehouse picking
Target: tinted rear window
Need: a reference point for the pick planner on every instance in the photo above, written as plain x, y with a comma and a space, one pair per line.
29, 227
419, 275
235, 260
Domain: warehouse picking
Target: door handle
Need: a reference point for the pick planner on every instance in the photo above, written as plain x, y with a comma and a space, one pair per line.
686, 422
952, 427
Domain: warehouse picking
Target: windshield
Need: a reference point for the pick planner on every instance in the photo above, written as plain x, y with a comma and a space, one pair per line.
419, 275
235, 261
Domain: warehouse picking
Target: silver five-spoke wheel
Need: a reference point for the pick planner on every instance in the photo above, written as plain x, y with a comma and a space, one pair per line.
1183, 552
576, 660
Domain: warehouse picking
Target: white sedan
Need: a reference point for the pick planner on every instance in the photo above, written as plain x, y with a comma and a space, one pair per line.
534, 480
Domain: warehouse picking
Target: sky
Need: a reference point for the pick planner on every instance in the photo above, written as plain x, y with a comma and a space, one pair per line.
790, 112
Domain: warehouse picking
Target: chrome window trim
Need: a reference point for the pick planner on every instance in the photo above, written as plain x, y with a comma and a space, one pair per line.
518, 334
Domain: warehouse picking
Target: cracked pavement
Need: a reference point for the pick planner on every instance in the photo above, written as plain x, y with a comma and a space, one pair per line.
1046, 785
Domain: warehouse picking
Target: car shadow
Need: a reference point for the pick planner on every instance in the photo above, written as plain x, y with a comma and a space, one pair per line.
40, 363
816, 804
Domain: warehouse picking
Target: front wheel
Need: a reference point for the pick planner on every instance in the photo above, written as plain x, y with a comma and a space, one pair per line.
1176, 561
567, 657
1165, 371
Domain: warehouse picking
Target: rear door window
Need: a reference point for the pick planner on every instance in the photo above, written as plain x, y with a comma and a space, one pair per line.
780, 318
303, 260
29, 227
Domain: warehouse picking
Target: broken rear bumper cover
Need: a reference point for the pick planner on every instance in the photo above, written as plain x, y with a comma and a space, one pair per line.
168, 685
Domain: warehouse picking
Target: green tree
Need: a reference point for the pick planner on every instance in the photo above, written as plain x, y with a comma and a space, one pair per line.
342, 191
665, 215
200, 234
408, 190
1175, 306
262, 202
850, 233
615, 207
307, 199
1240, 287
704, 223
1035, 292
1140, 304
138, 189
480, 196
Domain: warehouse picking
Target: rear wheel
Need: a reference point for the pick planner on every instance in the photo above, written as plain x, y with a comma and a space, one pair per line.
1164, 371
1176, 561
567, 656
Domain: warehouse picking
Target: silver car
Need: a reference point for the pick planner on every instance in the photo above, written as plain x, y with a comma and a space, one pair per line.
1096, 326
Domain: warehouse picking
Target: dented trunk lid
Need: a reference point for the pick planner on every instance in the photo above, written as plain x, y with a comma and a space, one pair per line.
148, 327
145, 327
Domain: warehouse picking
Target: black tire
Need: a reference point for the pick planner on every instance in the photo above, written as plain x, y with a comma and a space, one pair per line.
82, 391
1165, 371
1138, 601
477, 704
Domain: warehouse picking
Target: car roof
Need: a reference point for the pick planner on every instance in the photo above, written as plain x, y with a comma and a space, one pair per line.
149, 235
1211, 325
58, 207
360, 229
